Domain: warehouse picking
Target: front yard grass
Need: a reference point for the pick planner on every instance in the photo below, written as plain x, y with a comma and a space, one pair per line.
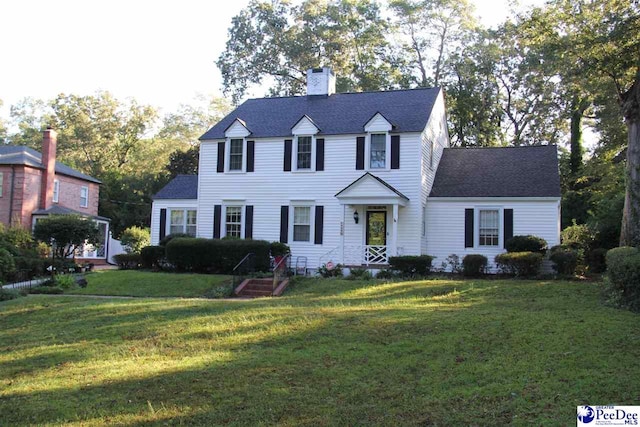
336, 352
150, 284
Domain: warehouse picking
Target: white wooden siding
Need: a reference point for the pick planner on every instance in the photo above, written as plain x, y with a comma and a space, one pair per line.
236, 130
378, 124
435, 134
269, 187
445, 225
168, 204
304, 127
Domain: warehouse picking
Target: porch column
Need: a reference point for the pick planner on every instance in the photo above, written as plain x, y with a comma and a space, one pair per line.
342, 226
393, 247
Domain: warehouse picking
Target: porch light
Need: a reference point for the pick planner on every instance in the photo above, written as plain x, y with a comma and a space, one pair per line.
356, 217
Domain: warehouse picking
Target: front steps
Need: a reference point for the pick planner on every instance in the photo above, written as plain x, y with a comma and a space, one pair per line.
256, 288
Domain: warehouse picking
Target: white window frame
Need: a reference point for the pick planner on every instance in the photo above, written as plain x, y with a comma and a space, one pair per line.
227, 155
292, 217
241, 207
185, 220
499, 211
84, 189
312, 167
387, 155
56, 191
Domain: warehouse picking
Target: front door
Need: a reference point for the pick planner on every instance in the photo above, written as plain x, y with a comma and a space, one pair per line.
376, 238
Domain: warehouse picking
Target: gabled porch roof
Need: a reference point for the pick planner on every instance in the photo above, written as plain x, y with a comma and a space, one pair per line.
369, 189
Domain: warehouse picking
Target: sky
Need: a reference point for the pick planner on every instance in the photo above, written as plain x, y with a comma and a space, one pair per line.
160, 52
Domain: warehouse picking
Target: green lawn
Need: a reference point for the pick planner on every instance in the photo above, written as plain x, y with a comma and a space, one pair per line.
149, 284
327, 353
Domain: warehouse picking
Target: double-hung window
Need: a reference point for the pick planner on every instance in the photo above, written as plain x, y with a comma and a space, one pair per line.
84, 197
378, 151
305, 144
301, 223
235, 154
489, 227
233, 221
56, 190
183, 221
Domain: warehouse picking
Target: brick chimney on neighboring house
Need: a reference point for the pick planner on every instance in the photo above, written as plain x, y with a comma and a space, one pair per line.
49, 142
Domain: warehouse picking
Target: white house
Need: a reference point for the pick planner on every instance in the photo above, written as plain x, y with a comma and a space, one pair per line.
354, 178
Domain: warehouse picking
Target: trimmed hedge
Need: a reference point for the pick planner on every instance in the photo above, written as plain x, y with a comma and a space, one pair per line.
623, 277
565, 259
411, 265
526, 244
215, 255
166, 239
127, 261
521, 264
474, 265
152, 256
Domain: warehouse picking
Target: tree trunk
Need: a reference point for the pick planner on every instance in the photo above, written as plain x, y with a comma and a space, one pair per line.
630, 104
578, 108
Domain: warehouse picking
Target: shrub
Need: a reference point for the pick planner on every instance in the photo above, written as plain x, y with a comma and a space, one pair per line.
127, 261
359, 274
65, 281
152, 256
279, 249
411, 265
622, 284
596, 260
577, 236
384, 274
453, 261
49, 290
215, 255
134, 238
334, 271
526, 244
521, 264
7, 264
474, 265
8, 294
166, 239
565, 259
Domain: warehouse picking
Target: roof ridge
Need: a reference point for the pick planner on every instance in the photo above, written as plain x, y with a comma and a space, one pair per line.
502, 147
346, 93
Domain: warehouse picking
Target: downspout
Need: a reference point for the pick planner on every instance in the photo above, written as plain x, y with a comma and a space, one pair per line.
13, 177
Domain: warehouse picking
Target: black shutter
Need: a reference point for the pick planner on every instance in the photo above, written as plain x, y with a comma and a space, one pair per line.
284, 224
248, 222
360, 153
287, 155
217, 216
163, 223
250, 155
468, 228
319, 225
220, 157
395, 152
508, 225
320, 154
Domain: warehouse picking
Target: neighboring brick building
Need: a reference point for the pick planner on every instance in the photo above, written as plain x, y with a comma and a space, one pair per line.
34, 185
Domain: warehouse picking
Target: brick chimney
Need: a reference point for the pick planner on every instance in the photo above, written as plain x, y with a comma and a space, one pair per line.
49, 142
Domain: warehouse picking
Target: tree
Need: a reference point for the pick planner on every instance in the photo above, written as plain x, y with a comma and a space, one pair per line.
184, 162
65, 233
134, 239
432, 29
278, 42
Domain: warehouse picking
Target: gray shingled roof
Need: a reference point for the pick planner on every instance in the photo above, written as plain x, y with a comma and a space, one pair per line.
498, 172
180, 187
21, 155
342, 113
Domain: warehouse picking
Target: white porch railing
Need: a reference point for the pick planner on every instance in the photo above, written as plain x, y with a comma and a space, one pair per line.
365, 254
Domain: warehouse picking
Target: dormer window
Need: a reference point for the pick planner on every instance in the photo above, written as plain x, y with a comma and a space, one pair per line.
304, 152
378, 151
235, 154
